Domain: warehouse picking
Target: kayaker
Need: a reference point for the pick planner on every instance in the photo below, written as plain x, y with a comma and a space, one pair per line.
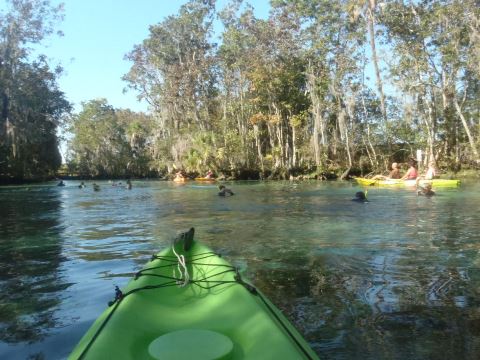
82, 185
209, 174
394, 174
431, 172
61, 183
412, 172
360, 196
225, 191
129, 185
96, 187
179, 176
425, 190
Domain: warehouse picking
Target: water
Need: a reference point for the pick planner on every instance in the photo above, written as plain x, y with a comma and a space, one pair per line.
395, 278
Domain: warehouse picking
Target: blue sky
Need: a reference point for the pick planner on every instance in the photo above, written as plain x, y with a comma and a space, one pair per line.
97, 35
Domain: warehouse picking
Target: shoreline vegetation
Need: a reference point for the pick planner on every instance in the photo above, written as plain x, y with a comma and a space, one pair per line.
288, 97
470, 174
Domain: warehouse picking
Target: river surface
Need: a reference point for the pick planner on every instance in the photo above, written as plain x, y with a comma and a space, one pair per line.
395, 278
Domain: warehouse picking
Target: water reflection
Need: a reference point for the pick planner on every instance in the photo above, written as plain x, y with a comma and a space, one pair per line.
30, 257
397, 277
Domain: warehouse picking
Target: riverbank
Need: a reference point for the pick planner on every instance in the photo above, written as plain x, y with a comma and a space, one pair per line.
239, 175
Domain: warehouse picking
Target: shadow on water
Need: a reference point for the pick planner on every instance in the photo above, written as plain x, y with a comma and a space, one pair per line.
31, 282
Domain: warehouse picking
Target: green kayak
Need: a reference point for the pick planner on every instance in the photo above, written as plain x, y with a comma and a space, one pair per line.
189, 303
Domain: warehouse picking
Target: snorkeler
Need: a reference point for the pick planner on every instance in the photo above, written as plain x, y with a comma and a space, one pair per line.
425, 190
360, 196
225, 191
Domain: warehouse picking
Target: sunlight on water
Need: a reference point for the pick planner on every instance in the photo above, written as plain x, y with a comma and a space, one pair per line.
398, 277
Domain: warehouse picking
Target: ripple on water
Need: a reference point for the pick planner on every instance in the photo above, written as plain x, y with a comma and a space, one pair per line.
396, 278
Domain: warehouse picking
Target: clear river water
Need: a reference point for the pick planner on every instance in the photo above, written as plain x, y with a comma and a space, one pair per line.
395, 278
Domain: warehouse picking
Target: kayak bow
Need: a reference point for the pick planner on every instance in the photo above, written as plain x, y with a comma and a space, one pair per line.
205, 310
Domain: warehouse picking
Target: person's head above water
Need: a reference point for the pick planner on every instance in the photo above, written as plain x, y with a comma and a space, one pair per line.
360, 195
426, 190
394, 165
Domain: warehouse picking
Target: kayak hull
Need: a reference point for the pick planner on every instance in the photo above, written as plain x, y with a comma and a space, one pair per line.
407, 183
204, 179
215, 300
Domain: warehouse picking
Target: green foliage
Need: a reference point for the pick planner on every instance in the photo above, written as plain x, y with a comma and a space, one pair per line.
31, 105
108, 142
294, 91
173, 67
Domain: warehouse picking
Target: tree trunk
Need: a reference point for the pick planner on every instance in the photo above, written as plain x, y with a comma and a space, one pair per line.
344, 133
430, 124
319, 138
373, 158
371, 33
467, 130
294, 149
258, 145
4, 116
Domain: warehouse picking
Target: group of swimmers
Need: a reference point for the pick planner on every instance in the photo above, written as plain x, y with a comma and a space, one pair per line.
96, 187
224, 191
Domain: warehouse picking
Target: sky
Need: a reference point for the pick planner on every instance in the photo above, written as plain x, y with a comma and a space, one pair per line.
97, 35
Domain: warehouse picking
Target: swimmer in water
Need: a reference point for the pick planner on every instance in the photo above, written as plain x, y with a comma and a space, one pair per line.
224, 191
360, 196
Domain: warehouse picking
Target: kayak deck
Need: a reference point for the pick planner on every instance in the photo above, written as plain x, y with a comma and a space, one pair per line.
407, 183
215, 300
205, 179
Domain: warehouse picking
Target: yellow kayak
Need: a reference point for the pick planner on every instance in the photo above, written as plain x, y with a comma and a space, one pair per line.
205, 179
407, 183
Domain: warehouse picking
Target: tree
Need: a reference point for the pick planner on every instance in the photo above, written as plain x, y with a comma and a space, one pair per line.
174, 71
333, 45
99, 146
138, 128
31, 105
433, 57
173, 67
